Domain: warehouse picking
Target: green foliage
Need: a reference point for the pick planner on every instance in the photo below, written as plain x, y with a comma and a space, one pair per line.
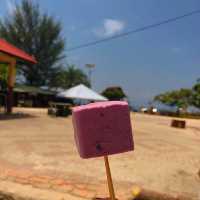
114, 93
180, 98
70, 77
38, 34
3, 76
196, 95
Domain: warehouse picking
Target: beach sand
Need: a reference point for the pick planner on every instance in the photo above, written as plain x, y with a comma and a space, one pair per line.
165, 159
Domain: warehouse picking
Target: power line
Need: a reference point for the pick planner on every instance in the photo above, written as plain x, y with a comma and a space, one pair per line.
141, 29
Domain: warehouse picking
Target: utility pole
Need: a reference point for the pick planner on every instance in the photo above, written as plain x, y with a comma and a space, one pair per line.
90, 68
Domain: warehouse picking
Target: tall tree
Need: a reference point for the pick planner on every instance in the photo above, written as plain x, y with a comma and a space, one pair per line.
179, 98
70, 77
38, 34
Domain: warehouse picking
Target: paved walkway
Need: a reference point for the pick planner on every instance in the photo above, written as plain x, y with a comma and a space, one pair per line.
10, 190
70, 186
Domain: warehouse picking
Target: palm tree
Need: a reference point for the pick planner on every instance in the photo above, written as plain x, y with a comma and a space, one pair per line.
70, 77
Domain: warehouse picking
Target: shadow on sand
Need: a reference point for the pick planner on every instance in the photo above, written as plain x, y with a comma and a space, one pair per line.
18, 115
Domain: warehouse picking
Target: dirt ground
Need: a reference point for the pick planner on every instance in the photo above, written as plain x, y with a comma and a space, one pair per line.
165, 159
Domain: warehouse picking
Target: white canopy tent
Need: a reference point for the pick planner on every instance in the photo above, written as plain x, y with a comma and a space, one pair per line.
82, 92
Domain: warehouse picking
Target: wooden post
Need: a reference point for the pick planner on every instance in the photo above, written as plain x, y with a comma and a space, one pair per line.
11, 82
109, 179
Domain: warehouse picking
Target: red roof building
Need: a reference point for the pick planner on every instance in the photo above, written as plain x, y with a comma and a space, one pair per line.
10, 54
11, 50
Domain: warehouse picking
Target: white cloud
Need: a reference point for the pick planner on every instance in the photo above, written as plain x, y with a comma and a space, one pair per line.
110, 27
10, 6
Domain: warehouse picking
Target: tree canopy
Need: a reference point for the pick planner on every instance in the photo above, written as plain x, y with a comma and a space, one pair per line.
114, 93
180, 98
70, 77
38, 34
196, 95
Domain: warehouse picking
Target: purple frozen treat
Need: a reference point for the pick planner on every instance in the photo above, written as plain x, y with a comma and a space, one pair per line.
102, 128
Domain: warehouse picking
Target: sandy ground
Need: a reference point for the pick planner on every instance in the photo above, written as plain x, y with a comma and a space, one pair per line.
165, 159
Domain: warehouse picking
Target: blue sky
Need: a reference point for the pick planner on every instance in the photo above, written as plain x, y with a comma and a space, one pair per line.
144, 64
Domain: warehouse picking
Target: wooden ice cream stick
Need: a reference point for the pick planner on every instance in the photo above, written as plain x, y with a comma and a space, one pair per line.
109, 179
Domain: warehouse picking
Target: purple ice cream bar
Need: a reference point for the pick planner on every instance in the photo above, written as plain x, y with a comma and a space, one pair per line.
102, 129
